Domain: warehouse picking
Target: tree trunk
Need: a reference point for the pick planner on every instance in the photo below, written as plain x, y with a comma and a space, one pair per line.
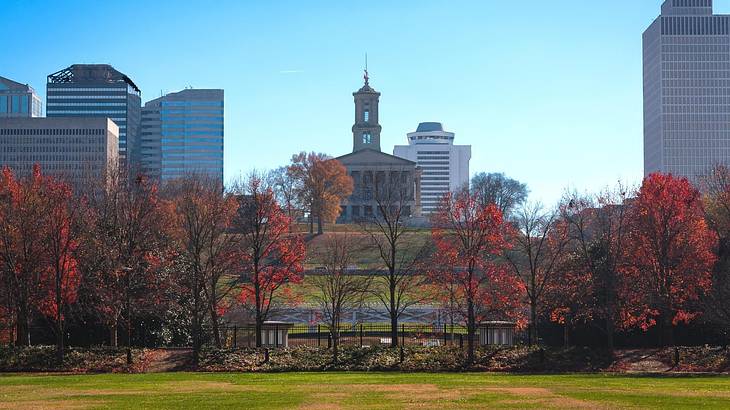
59, 322
335, 342
533, 323
566, 335
320, 228
311, 223
129, 327
393, 314
610, 335
470, 330
393, 330
113, 334
214, 324
258, 327
22, 329
666, 337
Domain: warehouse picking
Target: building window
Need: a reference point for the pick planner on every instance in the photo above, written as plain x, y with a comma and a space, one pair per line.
366, 138
366, 116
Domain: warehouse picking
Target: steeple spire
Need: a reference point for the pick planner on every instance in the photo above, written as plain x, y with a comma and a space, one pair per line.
367, 77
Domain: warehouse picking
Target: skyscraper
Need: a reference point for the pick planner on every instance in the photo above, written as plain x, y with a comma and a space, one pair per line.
687, 90
444, 166
18, 100
182, 133
98, 90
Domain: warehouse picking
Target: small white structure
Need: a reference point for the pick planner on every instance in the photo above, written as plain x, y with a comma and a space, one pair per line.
497, 333
275, 334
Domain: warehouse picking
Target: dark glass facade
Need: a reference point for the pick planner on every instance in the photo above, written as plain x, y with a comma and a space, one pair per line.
99, 91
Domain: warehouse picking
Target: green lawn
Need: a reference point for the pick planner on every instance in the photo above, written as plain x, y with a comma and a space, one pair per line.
360, 390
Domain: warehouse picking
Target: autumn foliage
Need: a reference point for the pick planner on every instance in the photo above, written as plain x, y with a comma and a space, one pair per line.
38, 240
178, 260
671, 254
469, 238
270, 257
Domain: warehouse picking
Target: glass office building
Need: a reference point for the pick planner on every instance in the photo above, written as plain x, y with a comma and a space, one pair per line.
182, 133
18, 100
687, 90
98, 90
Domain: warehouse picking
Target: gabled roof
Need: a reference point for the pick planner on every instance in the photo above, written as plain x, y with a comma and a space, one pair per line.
369, 156
8, 84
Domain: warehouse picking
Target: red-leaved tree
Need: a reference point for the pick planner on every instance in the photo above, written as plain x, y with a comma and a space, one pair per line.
469, 237
22, 247
206, 250
271, 257
672, 255
62, 275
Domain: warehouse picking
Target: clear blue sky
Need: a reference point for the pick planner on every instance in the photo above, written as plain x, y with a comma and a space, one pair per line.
549, 92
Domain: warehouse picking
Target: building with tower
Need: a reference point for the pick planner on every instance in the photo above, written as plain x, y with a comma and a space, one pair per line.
378, 177
444, 166
98, 90
686, 90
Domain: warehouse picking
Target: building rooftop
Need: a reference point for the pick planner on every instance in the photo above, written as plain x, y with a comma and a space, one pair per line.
90, 73
8, 84
429, 127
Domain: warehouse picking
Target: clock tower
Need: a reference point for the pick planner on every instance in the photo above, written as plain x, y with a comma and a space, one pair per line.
366, 130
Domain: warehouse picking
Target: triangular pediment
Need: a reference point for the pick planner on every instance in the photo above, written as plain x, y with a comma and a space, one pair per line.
371, 156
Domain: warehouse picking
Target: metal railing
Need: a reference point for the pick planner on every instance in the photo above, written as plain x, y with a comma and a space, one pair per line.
361, 334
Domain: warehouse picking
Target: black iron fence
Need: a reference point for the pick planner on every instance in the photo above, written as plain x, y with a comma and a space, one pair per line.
360, 334
281, 335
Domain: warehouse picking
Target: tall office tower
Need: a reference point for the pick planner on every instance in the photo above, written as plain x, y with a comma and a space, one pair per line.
18, 100
182, 133
98, 90
79, 150
445, 166
687, 90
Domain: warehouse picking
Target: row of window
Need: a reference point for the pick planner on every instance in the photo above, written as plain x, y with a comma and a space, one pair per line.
17, 104
695, 25
192, 133
192, 154
695, 48
191, 146
97, 112
367, 211
53, 131
186, 125
72, 144
86, 97
174, 140
86, 104
708, 91
163, 112
191, 103
182, 119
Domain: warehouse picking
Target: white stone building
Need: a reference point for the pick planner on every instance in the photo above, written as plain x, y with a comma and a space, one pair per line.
444, 166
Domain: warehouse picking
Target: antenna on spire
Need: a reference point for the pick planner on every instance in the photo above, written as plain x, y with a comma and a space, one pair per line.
367, 78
